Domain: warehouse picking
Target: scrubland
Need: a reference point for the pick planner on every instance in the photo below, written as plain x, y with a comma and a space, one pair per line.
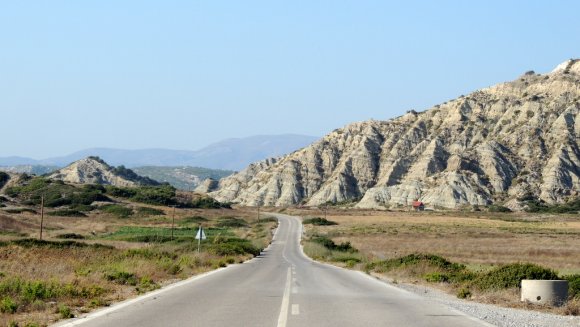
480, 256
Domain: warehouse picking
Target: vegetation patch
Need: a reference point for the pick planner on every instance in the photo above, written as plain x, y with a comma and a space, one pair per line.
146, 211
233, 246
117, 210
66, 213
208, 203
4, 177
329, 244
72, 236
56, 193
511, 276
193, 220
163, 195
539, 206
319, 221
231, 222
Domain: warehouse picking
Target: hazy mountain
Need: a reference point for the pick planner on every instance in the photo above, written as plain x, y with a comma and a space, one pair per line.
513, 140
183, 178
93, 170
30, 169
230, 154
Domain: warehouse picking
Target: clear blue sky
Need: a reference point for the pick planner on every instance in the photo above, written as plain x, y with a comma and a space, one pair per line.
183, 74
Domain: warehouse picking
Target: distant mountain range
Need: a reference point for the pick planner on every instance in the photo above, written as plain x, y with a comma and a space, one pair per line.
230, 154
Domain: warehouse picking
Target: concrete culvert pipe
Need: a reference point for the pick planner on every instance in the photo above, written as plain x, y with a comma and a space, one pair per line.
552, 292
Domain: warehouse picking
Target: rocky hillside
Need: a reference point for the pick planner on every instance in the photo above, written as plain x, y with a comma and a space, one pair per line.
511, 141
93, 170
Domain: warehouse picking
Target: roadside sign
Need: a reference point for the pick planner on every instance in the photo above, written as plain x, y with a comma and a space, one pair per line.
200, 234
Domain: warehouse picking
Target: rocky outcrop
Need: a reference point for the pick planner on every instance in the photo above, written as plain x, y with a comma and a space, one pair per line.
497, 144
207, 186
93, 170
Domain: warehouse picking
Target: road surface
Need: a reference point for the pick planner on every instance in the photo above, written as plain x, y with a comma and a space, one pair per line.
281, 287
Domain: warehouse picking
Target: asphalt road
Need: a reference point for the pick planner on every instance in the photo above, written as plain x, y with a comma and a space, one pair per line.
281, 287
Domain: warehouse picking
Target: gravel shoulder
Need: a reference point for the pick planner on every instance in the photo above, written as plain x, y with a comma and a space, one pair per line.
497, 316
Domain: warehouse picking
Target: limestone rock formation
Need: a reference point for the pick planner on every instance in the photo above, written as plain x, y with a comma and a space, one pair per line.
501, 143
208, 185
93, 170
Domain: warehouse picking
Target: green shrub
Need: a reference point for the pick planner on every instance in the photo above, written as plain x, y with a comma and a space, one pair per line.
122, 277
572, 206
208, 203
329, 244
319, 221
463, 293
7, 305
56, 193
415, 259
146, 211
117, 210
573, 285
231, 222
20, 210
65, 312
33, 242
66, 213
71, 236
233, 246
511, 275
4, 177
498, 208
193, 220
155, 195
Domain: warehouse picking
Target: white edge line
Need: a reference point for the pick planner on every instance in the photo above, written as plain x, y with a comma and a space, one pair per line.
126, 303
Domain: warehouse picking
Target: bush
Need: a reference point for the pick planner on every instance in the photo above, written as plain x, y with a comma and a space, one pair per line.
146, 211
71, 236
231, 222
511, 275
56, 193
498, 208
7, 305
319, 221
329, 244
4, 177
122, 277
156, 195
208, 203
117, 210
415, 259
65, 312
572, 206
193, 220
234, 246
463, 293
66, 213
573, 286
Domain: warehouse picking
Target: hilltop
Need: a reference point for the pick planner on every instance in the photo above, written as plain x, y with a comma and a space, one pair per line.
93, 170
513, 142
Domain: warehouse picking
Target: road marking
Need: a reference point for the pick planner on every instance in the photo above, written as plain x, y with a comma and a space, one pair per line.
295, 309
283, 318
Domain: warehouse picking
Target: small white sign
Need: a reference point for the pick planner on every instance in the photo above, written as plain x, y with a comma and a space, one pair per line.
200, 234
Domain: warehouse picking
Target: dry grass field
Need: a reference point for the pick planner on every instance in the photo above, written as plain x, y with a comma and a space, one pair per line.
93, 261
481, 241
473, 238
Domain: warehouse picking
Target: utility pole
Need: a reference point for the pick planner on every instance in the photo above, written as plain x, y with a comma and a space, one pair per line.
172, 222
325, 210
41, 214
258, 214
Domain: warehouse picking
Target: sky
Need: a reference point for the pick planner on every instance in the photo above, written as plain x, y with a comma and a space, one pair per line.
184, 74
